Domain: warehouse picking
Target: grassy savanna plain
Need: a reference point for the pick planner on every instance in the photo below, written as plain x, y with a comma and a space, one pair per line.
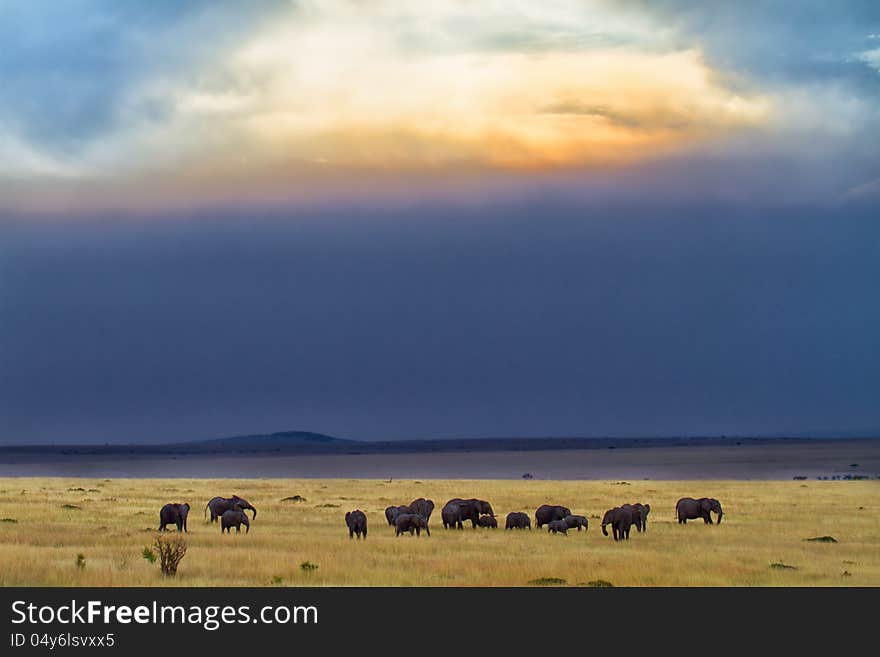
45, 523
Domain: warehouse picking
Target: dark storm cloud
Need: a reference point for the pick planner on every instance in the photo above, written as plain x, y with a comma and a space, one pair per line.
532, 319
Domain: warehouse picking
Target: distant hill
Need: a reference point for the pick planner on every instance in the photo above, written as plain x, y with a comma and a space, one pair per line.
306, 442
266, 441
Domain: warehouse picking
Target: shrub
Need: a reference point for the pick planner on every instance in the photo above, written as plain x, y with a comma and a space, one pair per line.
600, 583
547, 581
277, 580
293, 498
782, 566
80, 560
822, 539
171, 551
308, 566
12, 520
149, 555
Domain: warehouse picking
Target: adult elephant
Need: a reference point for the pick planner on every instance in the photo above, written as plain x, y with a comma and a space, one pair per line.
482, 506
173, 514
422, 507
356, 521
450, 514
518, 520
639, 513
620, 520
456, 511
547, 513
220, 505
391, 513
687, 508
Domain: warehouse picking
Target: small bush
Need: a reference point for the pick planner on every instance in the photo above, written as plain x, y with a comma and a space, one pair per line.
171, 551
599, 583
293, 498
782, 566
327, 506
12, 520
149, 555
277, 580
548, 581
72, 507
822, 539
80, 560
308, 566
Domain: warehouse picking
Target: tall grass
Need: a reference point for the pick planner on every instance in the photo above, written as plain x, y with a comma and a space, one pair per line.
110, 522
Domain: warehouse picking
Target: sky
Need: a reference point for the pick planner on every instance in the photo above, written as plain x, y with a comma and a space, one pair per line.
378, 220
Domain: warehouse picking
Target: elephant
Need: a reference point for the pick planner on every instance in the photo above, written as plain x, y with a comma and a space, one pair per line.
234, 517
173, 514
451, 516
391, 513
357, 523
409, 522
219, 505
558, 527
687, 508
517, 520
639, 513
466, 510
423, 507
620, 520
483, 507
547, 513
575, 521
487, 521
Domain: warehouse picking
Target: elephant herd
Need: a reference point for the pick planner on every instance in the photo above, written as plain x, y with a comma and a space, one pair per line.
413, 518
229, 510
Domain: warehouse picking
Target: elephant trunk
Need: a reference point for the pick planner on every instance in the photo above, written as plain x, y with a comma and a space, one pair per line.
604, 531
720, 513
254, 510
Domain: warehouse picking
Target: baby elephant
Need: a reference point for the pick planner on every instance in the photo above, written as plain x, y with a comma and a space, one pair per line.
235, 517
487, 521
517, 520
409, 522
558, 526
173, 514
575, 521
357, 523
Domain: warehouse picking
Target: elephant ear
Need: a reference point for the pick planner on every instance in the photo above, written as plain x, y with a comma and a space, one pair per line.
706, 504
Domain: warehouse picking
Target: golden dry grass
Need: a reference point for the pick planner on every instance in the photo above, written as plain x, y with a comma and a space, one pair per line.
765, 523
